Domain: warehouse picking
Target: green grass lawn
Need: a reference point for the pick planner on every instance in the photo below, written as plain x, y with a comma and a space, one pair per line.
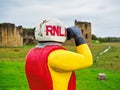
12, 73
12, 76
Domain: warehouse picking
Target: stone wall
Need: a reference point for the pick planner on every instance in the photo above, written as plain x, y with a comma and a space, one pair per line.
10, 35
86, 30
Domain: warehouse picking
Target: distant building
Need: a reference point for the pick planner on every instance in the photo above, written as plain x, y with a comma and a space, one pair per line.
85, 29
86, 32
10, 35
28, 36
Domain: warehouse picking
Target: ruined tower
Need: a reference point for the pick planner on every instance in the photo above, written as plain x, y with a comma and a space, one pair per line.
85, 29
10, 35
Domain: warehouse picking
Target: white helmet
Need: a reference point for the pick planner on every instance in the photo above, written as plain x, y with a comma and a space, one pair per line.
50, 30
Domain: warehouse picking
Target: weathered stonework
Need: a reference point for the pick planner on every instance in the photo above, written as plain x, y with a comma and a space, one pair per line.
10, 35
86, 30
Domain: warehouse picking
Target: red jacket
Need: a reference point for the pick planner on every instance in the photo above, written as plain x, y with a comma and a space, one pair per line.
37, 71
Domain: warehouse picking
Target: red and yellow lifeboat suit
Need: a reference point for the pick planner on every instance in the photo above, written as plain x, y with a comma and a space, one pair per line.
52, 67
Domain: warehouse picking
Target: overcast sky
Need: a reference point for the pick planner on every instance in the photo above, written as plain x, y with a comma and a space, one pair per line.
104, 15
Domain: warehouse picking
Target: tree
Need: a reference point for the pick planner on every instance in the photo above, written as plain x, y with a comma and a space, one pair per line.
94, 37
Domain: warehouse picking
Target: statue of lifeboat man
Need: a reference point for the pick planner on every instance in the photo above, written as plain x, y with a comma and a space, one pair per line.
50, 66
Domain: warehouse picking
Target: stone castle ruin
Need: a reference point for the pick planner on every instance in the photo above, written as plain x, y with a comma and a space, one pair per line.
10, 35
85, 29
86, 32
